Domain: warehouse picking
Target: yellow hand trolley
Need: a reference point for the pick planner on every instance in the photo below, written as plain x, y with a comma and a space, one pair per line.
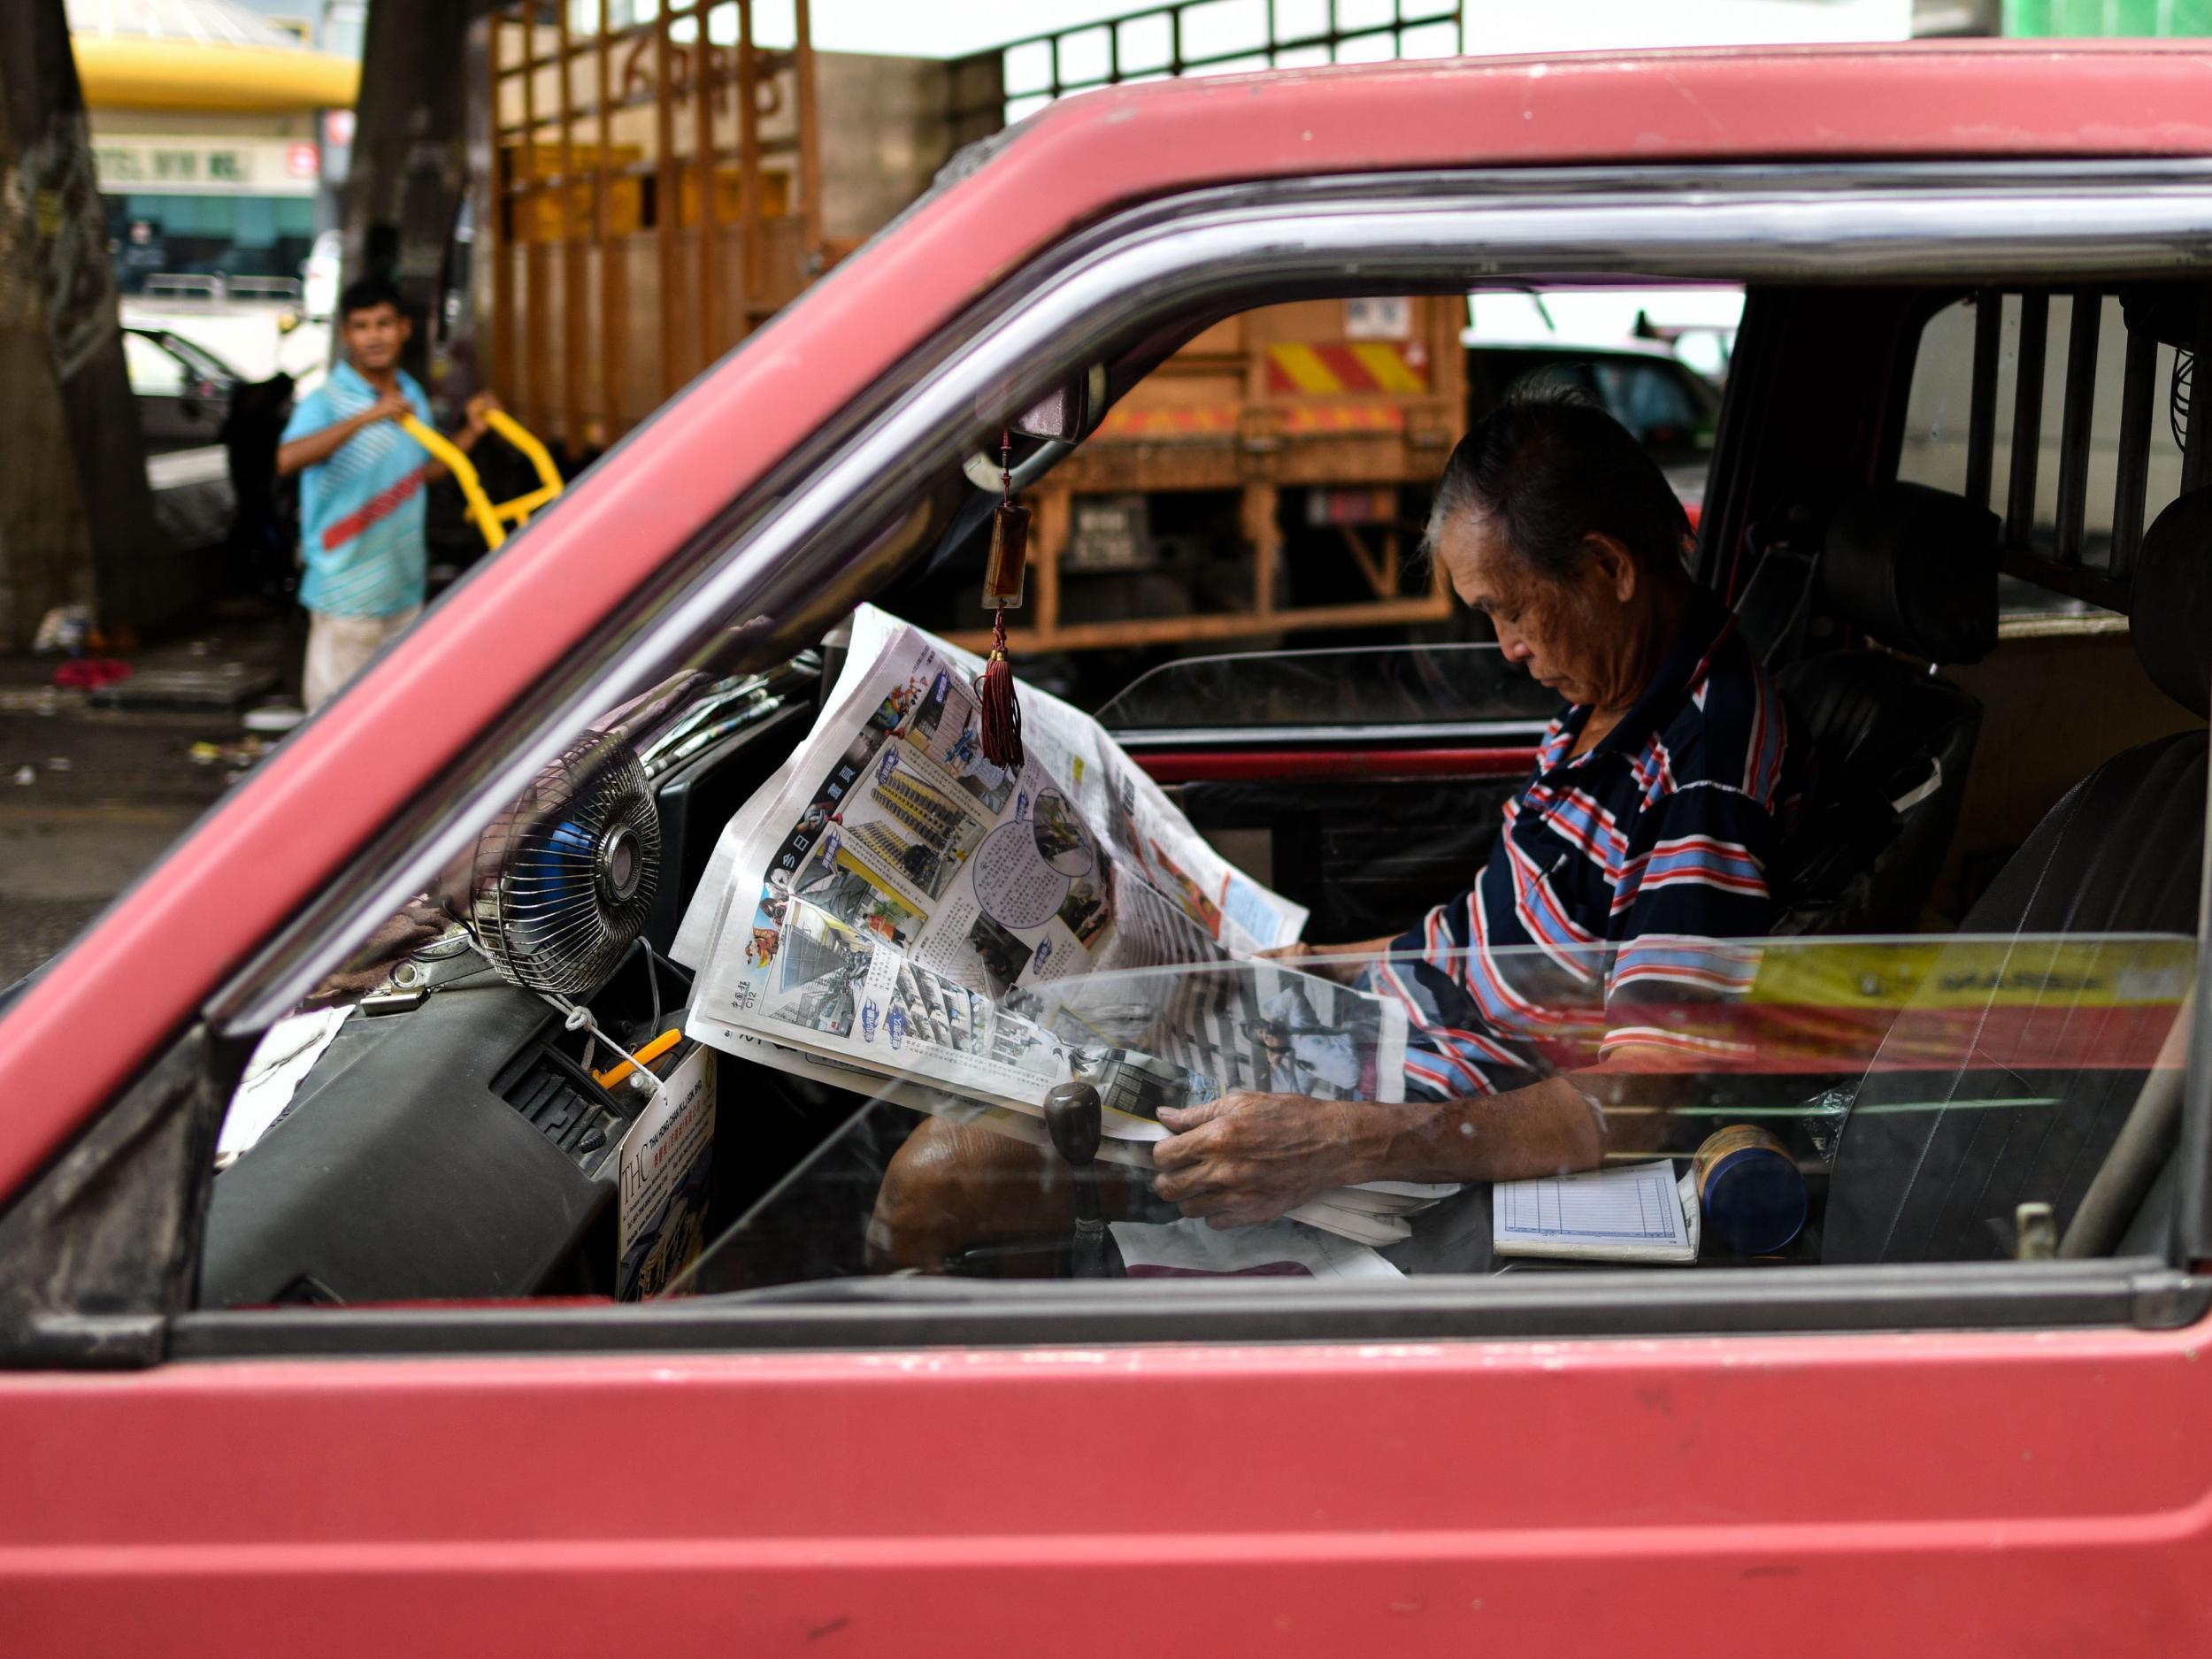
492, 518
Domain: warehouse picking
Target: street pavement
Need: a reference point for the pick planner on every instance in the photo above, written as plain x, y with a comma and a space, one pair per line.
91, 796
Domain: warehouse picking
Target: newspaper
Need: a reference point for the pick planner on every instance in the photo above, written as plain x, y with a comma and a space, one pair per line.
1066, 752
893, 906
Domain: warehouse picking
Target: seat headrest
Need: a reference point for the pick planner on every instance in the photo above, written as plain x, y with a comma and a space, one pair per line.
1915, 567
2170, 605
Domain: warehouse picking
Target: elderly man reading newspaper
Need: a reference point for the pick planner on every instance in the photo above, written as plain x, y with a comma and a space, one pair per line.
1639, 844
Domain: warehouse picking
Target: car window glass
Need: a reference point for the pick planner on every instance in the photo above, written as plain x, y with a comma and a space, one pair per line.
1655, 403
430, 1035
1655, 359
202, 364
1859, 1084
1763, 1103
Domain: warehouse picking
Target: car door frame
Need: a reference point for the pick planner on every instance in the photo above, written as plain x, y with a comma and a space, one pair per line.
1137, 271
286, 1477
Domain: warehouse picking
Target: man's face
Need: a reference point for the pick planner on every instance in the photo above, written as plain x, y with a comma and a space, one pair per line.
374, 337
1576, 637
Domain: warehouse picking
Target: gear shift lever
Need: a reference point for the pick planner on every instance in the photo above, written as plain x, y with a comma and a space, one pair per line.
1074, 1115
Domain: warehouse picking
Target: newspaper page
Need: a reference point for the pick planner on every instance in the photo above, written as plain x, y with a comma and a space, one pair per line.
1126, 817
889, 819
1139, 825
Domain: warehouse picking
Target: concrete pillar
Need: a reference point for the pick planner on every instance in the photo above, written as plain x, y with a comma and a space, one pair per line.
76, 517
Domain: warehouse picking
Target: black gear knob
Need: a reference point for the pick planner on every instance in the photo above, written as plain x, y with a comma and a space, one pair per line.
1074, 1114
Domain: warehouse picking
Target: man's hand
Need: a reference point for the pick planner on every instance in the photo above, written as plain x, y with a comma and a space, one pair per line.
1249, 1157
480, 410
318, 447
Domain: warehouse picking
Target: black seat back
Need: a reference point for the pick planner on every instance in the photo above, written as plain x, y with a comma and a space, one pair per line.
1927, 1168
1915, 569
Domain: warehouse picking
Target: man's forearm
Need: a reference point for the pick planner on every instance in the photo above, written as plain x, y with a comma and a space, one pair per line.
1341, 963
1539, 1130
318, 447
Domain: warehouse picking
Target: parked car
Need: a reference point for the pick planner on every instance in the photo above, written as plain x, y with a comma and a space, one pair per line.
365, 1390
1673, 409
186, 396
318, 276
183, 390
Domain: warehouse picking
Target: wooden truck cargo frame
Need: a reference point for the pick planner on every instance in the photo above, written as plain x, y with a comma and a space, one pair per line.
655, 193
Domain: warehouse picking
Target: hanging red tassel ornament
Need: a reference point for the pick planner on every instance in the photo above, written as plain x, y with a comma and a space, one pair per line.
1001, 716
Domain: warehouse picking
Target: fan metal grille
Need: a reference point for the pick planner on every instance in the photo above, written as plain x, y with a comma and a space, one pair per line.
564, 879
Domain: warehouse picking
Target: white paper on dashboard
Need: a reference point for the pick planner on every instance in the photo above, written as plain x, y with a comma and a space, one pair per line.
1177, 1250
281, 1060
1636, 1213
666, 1159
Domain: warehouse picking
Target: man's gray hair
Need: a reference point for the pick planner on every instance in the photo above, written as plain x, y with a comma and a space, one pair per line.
1552, 468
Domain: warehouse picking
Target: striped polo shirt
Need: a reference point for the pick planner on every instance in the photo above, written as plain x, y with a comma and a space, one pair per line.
1616, 880
361, 510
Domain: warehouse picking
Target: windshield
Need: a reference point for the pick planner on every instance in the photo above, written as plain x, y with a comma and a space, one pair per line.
1467, 688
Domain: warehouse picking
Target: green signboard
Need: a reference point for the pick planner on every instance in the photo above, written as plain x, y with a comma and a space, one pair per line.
2076, 20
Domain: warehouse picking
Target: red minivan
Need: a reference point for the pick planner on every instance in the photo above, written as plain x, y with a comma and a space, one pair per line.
358, 1383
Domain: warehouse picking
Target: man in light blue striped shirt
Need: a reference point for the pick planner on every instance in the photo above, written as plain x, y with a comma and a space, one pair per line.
361, 492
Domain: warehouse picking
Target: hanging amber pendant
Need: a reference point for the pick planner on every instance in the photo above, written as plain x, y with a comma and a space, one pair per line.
1009, 561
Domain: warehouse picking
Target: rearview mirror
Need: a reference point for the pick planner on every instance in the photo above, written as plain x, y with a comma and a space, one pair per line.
1069, 410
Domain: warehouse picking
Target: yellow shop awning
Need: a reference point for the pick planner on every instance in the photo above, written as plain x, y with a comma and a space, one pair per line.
135, 73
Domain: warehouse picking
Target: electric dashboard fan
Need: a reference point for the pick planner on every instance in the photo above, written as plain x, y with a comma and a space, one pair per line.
562, 879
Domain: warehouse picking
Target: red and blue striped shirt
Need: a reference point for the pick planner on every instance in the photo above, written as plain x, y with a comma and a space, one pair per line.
1618, 880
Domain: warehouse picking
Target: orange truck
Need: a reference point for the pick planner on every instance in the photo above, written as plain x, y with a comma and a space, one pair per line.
1312, 430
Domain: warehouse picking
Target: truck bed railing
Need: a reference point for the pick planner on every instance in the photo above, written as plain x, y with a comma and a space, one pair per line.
1209, 37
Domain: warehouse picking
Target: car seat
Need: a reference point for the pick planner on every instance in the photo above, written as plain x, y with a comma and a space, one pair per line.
1934, 1171
1914, 569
